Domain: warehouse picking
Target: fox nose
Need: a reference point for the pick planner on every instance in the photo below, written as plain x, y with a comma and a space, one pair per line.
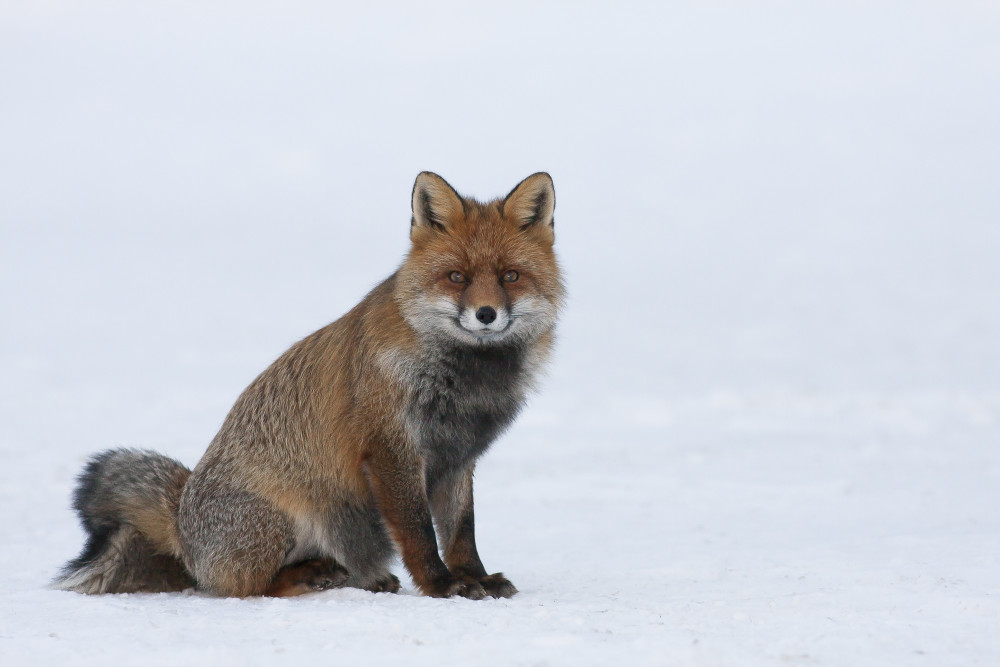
486, 314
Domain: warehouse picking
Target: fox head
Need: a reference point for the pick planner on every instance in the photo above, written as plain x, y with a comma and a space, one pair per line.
481, 273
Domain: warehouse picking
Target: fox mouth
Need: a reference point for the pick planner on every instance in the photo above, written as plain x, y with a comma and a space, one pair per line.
485, 333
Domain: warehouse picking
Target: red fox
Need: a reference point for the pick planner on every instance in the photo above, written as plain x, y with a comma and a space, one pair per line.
359, 440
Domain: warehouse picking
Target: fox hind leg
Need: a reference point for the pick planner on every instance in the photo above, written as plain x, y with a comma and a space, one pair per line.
234, 542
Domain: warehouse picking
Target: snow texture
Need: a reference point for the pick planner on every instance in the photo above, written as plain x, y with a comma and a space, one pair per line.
771, 434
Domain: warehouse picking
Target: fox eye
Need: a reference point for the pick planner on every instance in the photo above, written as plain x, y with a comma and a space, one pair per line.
456, 277
510, 277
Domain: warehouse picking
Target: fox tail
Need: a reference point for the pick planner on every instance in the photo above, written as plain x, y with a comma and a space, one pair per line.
127, 500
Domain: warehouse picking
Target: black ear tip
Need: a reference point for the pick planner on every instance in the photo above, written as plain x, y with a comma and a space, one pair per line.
422, 181
428, 175
542, 175
423, 177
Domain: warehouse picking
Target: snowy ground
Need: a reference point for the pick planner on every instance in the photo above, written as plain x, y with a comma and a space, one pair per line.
772, 431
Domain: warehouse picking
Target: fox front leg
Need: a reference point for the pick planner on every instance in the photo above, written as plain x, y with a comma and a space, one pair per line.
398, 486
452, 506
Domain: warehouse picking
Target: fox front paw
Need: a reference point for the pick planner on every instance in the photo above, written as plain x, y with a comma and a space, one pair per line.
498, 586
450, 586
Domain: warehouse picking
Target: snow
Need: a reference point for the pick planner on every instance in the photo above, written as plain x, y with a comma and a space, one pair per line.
771, 434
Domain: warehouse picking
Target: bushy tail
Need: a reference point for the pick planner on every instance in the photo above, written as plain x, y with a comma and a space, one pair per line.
127, 500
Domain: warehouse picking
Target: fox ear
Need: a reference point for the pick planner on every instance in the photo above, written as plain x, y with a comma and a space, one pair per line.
531, 204
435, 204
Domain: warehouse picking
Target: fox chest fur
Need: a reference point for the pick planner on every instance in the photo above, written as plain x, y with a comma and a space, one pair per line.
460, 400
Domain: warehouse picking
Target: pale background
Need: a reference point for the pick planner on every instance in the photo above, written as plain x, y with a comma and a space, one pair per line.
771, 434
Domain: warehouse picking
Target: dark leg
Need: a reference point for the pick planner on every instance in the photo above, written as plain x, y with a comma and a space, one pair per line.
452, 505
399, 490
